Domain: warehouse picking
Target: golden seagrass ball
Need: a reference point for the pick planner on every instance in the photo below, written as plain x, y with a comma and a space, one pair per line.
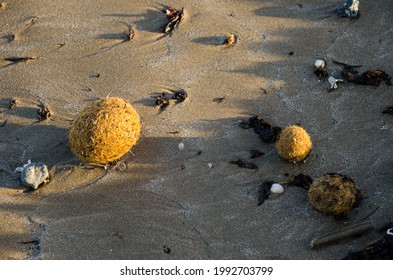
294, 144
334, 194
104, 131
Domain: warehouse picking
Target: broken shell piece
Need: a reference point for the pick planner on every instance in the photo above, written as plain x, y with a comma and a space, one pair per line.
276, 188
349, 9
320, 63
231, 40
181, 146
210, 165
333, 82
33, 174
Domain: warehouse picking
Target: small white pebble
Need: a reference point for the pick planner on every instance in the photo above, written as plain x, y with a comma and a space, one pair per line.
181, 146
210, 165
277, 188
320, 63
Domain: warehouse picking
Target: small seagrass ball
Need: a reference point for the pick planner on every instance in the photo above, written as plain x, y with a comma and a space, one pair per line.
294, 144
334, 194
104, 131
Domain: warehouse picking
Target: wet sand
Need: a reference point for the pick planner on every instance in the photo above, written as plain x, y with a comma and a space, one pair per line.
192, 200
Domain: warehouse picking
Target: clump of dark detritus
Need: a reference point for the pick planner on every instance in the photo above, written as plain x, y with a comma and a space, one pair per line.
17, 59
231, 40
388, 110
371, 78
13, 103
264, 191
174, 18
179, 95
43, 113
266, 131
256, 153
322, 74
240, 163
166, 249
162, 101
291, 53
301, 180
380, 249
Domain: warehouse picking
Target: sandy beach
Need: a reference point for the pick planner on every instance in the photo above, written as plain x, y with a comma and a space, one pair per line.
191, 201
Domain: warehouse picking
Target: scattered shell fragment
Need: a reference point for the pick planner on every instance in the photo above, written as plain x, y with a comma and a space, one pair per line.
276, 188
333, 82
231, 40
33, 174
181, 146
210, 165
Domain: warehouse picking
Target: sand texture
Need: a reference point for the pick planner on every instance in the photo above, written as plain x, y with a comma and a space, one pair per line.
190, 200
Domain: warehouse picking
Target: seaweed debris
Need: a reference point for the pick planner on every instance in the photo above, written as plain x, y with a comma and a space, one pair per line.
388, 110
162, 100
174, 18
380, 249
240, 163
372, 78
266, 131
264, 192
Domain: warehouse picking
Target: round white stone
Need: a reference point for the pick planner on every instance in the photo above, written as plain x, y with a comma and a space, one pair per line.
320, 63
276, 188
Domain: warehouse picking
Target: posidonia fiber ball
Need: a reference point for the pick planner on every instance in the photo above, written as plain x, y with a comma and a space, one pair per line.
293, 144
104, 131
334, 194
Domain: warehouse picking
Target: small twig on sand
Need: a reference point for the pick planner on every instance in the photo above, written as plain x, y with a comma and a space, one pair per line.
341, 234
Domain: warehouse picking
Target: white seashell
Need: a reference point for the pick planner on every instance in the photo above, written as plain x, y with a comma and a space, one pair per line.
210, 165
181, 146
320, 63
276, 188
34, 174
333, 82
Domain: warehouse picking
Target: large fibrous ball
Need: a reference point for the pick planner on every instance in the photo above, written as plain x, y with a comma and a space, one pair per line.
104, 131
334, 194
294, 143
